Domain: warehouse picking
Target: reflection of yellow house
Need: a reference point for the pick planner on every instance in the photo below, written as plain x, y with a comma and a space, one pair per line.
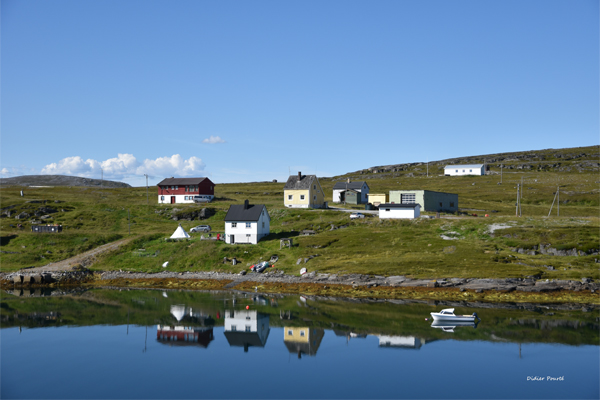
303, 191
302, 340
377, 199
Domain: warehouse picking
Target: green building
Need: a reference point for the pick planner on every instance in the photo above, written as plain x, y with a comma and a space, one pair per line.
427, 199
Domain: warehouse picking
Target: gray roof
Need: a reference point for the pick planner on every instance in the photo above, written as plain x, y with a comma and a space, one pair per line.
465, 166
398, 205
245, 339
304, 183
238, 212
351, 185
180, 181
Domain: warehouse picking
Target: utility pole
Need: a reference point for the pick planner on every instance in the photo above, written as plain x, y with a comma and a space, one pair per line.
147, 197
101, 179
129, 221
428, 167
517, 210
558, 201
501, 165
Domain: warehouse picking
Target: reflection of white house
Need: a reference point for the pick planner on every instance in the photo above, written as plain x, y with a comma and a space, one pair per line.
246, 328
409, 342
467, 169
399, 211
246, 223
178, 311
361, 187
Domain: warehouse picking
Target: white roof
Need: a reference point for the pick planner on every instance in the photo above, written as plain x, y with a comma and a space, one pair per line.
178, 312
180, 233
465, 166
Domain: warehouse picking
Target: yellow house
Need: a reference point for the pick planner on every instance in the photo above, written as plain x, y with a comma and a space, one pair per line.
300, 340
377, 199
303, 191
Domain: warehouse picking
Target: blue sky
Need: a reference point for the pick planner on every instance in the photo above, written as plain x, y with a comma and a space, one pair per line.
244, 91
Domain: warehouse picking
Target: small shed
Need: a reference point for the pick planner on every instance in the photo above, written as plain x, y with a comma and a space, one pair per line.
46, 228
377, 199
350, 196
399, 211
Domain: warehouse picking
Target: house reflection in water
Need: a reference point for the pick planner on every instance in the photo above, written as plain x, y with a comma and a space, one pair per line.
180, 334
246, 328
302, 340
406, 342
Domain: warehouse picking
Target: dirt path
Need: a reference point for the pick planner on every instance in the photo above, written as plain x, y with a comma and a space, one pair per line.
86, 259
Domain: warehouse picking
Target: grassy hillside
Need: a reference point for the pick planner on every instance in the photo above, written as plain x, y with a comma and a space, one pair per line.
92, 216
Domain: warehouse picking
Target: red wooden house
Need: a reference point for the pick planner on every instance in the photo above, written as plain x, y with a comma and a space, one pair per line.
185, 190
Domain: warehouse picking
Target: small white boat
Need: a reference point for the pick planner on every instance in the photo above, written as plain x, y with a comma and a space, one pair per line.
449, 326
447, 314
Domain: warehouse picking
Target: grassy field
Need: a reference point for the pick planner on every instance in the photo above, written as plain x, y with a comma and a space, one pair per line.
92, 216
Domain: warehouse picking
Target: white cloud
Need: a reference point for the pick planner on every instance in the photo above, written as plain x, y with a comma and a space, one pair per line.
213, 140
125, 165
5, 172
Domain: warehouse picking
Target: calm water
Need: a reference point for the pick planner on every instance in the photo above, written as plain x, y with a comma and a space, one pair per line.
155, 344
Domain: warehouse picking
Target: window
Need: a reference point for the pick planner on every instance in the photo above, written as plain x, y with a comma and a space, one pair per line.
456, 170
234, 224
176, 187
290, 197
162, 198
248, 328
314, 187
233, 328
248, 224
407, 198
290, 333
441, 204
263, 224
387, 209
302, 333
185, 197
451, 204
470, 170
301, 197
248, 235
187, 188
463, 170
315, 197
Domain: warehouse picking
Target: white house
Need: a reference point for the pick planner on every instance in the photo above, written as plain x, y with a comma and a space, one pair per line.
468, 169
340, 187
246, 223
399, 211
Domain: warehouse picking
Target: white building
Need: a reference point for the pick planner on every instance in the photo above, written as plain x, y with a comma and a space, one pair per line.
399, 211
460, 170
340, 187
246, 223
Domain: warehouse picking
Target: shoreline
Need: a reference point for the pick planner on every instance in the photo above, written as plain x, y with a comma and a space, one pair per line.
350, 286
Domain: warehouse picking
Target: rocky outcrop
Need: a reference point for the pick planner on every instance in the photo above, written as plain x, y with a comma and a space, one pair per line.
191, 215
551, 251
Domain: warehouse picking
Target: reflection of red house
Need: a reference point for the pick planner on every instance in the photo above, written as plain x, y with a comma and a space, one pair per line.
183, 190
184, 335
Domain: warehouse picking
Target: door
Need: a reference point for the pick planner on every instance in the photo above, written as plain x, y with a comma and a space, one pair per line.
232, 240
172, 199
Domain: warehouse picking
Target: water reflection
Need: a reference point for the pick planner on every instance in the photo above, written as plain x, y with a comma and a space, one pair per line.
303, 340
403, 342
246, 328
184, 335
449, 326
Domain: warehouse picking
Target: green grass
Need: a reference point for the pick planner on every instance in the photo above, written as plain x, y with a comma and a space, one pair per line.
91, 217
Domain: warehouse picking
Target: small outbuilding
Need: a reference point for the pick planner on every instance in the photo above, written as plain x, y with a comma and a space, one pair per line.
399, 211
377, 199
462, 170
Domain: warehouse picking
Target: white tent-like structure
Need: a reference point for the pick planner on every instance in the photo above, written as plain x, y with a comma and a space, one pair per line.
180, 233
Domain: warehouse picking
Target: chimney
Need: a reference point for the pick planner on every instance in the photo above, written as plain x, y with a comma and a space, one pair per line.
299, 176
246, 204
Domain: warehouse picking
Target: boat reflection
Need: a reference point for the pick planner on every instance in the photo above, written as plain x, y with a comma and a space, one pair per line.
448, 326
246, 328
